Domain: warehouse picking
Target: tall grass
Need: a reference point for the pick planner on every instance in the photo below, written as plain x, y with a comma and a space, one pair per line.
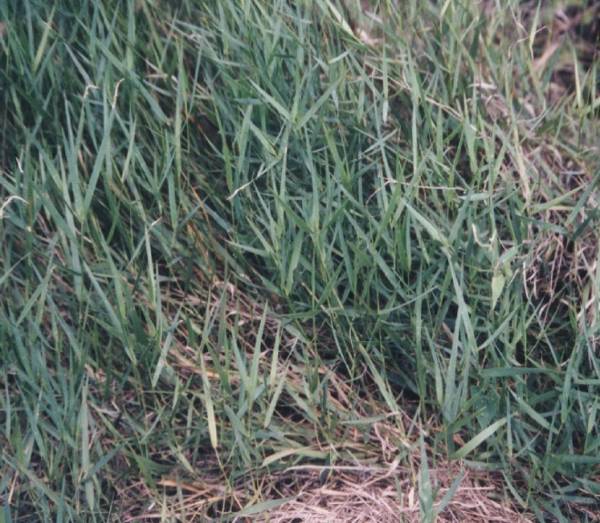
233, 232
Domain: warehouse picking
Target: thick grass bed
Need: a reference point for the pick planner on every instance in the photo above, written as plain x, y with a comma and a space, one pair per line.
258, 257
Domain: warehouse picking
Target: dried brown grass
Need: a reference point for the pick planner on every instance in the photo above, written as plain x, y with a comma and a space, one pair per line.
379, 495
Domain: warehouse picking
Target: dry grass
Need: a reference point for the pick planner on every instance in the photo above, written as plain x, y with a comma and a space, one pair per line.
364, 495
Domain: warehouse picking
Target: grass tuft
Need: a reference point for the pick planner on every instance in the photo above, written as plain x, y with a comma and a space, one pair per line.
316, 260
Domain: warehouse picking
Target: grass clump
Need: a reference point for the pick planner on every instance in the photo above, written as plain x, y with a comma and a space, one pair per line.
250, 248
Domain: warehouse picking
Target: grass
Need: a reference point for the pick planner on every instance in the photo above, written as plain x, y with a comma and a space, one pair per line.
257, 255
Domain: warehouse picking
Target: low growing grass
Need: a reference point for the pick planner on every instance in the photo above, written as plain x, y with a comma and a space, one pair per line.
258, 256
